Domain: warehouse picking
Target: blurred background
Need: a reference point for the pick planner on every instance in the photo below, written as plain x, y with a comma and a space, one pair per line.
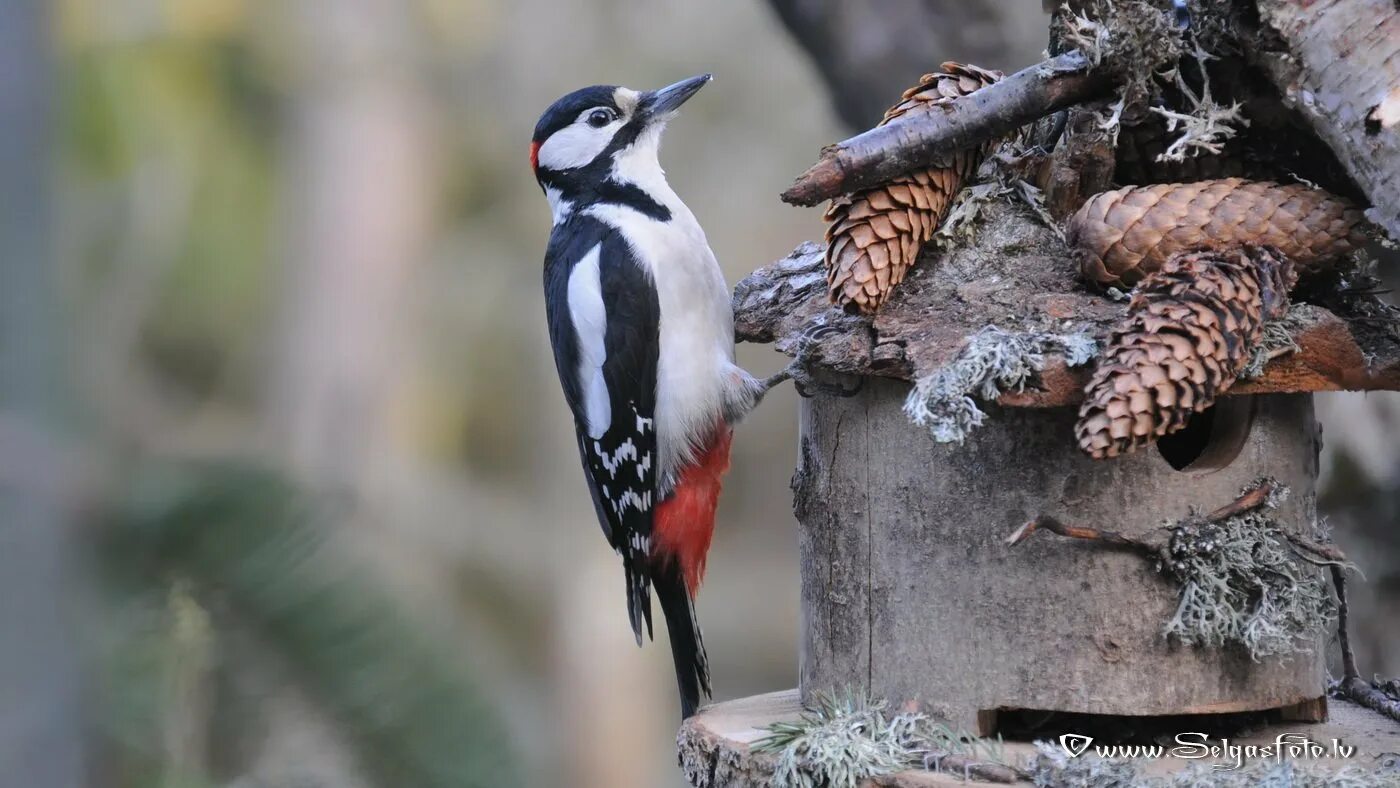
288, 493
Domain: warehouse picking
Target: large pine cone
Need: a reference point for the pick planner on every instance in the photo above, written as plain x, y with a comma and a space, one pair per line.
1189, 332
1125, 234
874, 236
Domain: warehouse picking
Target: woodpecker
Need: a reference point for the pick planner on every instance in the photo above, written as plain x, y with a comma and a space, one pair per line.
640, 319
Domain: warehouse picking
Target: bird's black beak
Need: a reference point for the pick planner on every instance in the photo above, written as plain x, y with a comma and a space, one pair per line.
660, 104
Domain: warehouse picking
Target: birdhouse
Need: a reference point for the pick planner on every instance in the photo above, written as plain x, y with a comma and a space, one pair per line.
910, 591
956, 427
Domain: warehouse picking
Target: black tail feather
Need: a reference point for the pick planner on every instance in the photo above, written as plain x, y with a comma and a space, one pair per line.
687, 646
638, 596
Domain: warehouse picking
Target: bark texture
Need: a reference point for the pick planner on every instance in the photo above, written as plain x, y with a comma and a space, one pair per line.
1125, 234
928, 139
1189, 333
1338, 63
1016, 274
910, 593
874, 237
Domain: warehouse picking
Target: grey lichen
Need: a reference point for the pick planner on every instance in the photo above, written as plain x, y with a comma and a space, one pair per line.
844, 739
1144, 43
996, 180
1242, 583
847, 737
1135, 39
1052, 768
1278, 341
992, 362
1205, 124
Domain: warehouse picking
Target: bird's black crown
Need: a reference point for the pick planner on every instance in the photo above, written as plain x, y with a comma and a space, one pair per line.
563, 112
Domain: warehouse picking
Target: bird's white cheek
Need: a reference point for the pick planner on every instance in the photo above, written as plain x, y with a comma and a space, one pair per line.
573, 146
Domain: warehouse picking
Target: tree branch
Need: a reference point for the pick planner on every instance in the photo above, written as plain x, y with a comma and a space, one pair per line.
1339, 66
922, 139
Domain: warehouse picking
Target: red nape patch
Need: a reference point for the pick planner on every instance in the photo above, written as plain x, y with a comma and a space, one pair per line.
686, 521
534, 155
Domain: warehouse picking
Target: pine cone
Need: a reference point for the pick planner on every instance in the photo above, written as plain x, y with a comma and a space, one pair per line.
874, 236
1125, 234
1189, 332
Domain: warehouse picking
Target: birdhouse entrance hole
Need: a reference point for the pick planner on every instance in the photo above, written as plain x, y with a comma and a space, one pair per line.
1213, 438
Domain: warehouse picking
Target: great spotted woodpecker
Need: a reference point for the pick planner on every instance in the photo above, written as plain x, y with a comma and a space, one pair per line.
639, 316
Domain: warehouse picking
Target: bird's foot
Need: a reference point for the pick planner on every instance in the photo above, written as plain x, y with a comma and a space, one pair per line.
807, 384
800, 373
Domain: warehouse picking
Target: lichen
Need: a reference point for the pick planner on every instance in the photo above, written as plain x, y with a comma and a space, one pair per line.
1052, 767
847, 737
844, 739
992, 362
1132, 38
1242, 583
1277, 341
1206, 124
1144, 45
996, 180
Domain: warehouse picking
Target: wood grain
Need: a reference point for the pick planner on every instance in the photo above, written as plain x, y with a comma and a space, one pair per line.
912, 593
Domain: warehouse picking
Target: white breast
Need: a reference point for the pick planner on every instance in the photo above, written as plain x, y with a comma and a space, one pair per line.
695, 373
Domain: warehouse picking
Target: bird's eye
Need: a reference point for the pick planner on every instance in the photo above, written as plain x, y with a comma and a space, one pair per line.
599, 118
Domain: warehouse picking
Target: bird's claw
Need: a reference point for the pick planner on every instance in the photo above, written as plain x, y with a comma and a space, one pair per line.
798, 370
808, 386
803, 380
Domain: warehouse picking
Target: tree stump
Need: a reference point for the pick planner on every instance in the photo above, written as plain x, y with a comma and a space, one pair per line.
910, 593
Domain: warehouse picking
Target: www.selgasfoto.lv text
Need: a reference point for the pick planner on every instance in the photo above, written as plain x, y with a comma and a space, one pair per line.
1200, 745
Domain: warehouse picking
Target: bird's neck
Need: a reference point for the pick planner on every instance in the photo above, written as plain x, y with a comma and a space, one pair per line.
632, 179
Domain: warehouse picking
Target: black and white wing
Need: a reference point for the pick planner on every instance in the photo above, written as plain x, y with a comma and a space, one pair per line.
604, 324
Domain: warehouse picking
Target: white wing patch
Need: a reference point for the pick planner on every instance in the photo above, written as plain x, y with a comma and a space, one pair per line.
591, 324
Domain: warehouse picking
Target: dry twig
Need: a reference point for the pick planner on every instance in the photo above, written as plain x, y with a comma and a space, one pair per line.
923, 139
1352, 686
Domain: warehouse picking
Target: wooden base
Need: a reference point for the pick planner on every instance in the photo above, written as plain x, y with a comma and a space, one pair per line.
715, 744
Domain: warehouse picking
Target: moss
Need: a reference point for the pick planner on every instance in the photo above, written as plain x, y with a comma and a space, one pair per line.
997, 180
